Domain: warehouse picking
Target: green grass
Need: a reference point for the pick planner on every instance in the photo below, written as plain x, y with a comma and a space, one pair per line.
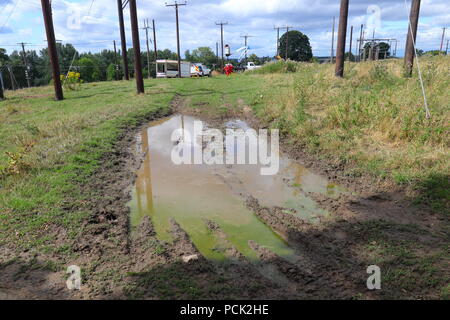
60, 145
218, 96
407, 264
373, 120
55, 147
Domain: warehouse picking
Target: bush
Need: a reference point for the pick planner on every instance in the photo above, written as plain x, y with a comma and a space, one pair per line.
278, 67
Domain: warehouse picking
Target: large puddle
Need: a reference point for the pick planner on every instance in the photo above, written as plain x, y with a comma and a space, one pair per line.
195, 194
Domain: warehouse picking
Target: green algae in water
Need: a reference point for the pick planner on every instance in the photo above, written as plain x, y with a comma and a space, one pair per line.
194, 194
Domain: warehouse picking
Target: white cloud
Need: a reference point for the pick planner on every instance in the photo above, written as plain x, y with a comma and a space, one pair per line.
197, 20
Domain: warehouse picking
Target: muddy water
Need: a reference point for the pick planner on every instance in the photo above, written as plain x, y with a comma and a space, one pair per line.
195, 194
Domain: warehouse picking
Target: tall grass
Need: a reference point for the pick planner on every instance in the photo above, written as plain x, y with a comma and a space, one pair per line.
374, 118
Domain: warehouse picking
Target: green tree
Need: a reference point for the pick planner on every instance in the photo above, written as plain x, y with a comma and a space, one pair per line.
3, 56
111, 72
299, 47
434, 53
254, 58
88, 70
202, 55
350, 56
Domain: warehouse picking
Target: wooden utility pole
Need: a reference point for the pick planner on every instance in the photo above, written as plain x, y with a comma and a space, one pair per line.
146, 27
278, 40
351, 43
48, 21
176, 5
136, 47
11, 78
155, 47
115, 61
442, 41
287, 43
2, 96
332, 42
342, 35
221, 24
446, 49
360, 41
25, 63
217, 50
410, 49
123, 40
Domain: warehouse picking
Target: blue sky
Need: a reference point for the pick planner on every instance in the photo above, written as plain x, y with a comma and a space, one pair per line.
95, 29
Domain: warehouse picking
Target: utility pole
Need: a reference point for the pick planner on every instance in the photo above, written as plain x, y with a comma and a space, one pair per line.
48, 21
2, 96
278, 40
360, 41
446, 49
136, 47
287, 43
146, 27
246, 43
221, 24
115, 61
342, 35
123, 39
442, 40
351, 43
410, 49
155, 47
332, 41
11, 78
176, 5
217, 50
25, 63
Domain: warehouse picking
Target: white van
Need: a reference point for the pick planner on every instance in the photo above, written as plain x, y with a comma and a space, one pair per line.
205, 71
196, 71
169, 69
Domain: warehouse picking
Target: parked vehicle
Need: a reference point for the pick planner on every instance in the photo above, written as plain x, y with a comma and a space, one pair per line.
251, 66
196, 71
206, 72
169, 69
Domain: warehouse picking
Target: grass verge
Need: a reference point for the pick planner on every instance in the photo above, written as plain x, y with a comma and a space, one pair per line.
51, 149
373, 120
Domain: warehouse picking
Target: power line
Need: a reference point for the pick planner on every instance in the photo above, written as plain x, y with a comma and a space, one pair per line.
411, 49
136, 47
75, 53
146, 27
9, 16
123, 39
176, 5
221, 24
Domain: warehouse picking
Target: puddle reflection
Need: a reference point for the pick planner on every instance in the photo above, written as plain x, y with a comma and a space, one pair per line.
193, 194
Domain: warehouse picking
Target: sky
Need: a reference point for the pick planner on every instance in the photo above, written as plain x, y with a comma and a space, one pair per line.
92, 25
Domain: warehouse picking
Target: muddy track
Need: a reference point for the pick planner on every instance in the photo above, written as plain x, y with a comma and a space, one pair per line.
329, 263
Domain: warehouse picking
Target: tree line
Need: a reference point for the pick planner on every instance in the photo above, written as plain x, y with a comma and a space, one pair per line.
93, 67
107, 65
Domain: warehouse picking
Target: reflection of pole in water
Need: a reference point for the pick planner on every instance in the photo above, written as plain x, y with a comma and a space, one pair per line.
144, 181
299, 172
182, 128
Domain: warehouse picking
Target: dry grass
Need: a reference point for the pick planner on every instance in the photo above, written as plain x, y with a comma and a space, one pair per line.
373, 118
